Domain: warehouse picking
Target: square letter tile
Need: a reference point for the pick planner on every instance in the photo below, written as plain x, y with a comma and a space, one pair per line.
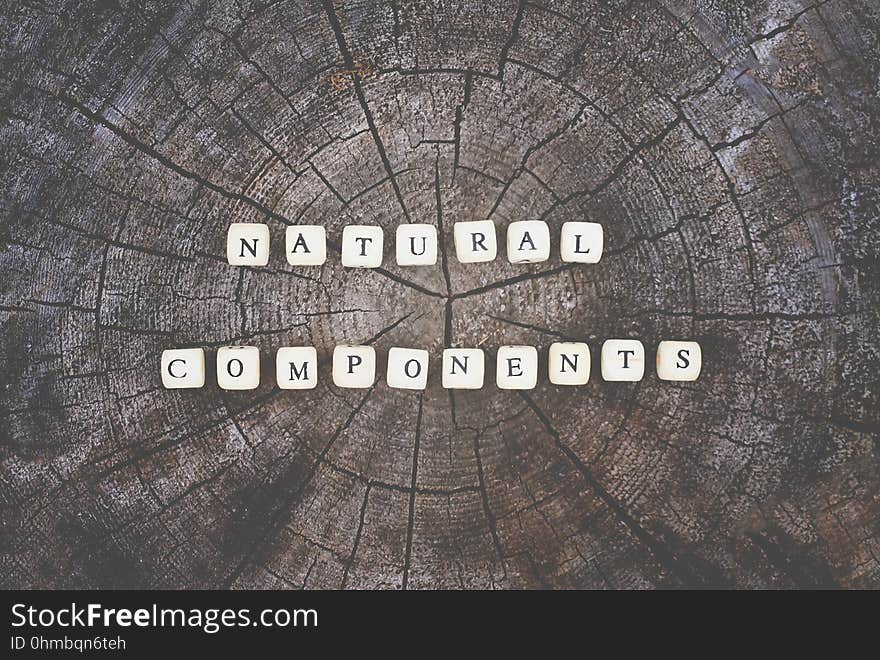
306, 245
354, 366
238, 367
296, 367
623, 360
416, 245
581, 242
183, 368
679, 360
247, 244
528, 241
517, 367
463, 368
569, 363
362, 246
407, 368
475, 241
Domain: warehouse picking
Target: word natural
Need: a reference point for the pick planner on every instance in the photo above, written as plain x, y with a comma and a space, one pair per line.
528, 241
568, 363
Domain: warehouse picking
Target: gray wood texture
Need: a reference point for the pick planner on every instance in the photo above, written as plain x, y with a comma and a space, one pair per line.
730, 150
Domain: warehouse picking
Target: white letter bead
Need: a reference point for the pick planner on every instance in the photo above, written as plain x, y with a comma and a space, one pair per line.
362, 246
247, 244
183, 368
581, 242
528, 241
463, 368
623, 360
416, 245
296, 367
517, 367
238, 367
407, 368
306, 245
569, 363
679, 360
354, 366
475, 241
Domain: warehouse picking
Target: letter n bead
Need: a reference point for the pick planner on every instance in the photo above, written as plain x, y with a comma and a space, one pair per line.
679, 360
568, 363
463, 368
247, 244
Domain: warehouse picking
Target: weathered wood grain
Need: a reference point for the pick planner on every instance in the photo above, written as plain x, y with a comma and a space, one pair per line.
731, 151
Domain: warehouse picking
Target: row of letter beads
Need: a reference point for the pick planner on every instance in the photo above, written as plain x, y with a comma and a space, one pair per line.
528, 241
238, 367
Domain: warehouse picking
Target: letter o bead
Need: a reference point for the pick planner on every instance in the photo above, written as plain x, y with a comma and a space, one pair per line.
407, 368
238, 367
183, 368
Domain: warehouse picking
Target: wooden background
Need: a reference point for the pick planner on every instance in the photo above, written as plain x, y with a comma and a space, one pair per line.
730, 150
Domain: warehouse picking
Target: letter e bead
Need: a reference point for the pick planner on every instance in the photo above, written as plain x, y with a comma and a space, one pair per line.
517, 367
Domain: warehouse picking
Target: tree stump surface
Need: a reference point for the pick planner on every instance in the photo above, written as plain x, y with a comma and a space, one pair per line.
730, 150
